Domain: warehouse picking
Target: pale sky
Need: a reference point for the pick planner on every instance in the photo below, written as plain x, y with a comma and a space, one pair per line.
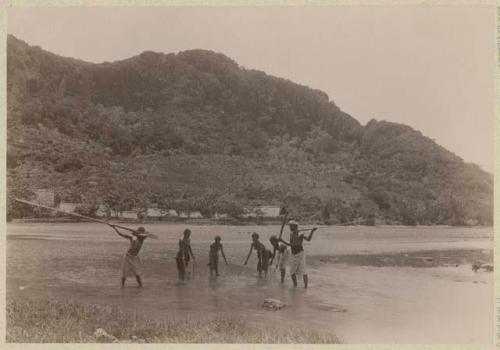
430, 67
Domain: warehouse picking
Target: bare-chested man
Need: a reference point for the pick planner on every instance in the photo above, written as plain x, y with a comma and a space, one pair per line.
298, 257
131, 263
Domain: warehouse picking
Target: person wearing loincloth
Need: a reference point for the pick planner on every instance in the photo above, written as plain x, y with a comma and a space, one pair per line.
213, 256
184, 255
131, 263
298, 257
263, 255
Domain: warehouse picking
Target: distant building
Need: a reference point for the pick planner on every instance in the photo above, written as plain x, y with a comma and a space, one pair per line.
192, 215
129, 214
68, 207
45, 197
265, 211
152, 213
102, 211
155, 213
220, 216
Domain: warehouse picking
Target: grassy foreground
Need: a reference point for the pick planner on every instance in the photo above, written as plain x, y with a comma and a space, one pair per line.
67, 321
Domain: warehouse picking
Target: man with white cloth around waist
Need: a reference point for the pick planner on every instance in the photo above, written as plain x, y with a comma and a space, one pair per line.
298, 257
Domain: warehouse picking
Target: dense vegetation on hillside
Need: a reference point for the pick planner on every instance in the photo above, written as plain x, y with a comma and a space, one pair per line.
195, 131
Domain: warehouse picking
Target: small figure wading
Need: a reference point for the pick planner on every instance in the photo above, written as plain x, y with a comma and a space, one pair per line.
298, 257
263, 255
213, 257
282, 260
276, 245
131, 263
184, 255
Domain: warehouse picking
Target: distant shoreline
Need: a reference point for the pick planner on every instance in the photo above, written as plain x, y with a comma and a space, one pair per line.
193, 221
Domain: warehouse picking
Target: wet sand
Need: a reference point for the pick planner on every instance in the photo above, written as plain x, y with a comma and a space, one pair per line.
384, 285
424, 258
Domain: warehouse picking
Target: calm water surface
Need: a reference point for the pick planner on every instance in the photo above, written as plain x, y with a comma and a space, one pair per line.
359, 303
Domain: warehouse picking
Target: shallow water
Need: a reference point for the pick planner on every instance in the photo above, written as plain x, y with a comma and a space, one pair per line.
358, 303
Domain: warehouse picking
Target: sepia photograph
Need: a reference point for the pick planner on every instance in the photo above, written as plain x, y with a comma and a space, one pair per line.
250, 174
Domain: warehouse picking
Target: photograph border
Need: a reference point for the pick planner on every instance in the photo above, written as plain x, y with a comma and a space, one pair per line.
140, 3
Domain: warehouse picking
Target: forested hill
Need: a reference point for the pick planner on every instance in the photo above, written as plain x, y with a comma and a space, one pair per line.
196, 131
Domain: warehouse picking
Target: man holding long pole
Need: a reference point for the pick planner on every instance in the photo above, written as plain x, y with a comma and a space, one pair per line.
131, 262
298, 257
149, 234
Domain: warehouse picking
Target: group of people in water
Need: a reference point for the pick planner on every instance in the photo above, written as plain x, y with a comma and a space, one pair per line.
280, 254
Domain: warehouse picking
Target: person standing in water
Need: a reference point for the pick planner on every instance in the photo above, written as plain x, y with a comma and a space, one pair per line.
282, 260
263, 255
131, 263
184, 255
298, 257
213, 257
276, 246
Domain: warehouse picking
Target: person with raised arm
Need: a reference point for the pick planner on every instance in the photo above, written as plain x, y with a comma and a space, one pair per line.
298, 257
131, 262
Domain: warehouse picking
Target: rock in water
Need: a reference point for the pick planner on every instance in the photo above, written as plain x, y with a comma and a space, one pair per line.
103, 337
273, 304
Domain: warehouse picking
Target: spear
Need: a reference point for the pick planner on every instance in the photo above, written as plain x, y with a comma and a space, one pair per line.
149, 234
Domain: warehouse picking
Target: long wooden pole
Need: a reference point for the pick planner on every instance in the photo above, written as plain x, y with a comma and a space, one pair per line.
152, 235
283, 223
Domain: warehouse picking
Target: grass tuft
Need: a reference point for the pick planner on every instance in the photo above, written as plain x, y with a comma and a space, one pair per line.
30, 321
